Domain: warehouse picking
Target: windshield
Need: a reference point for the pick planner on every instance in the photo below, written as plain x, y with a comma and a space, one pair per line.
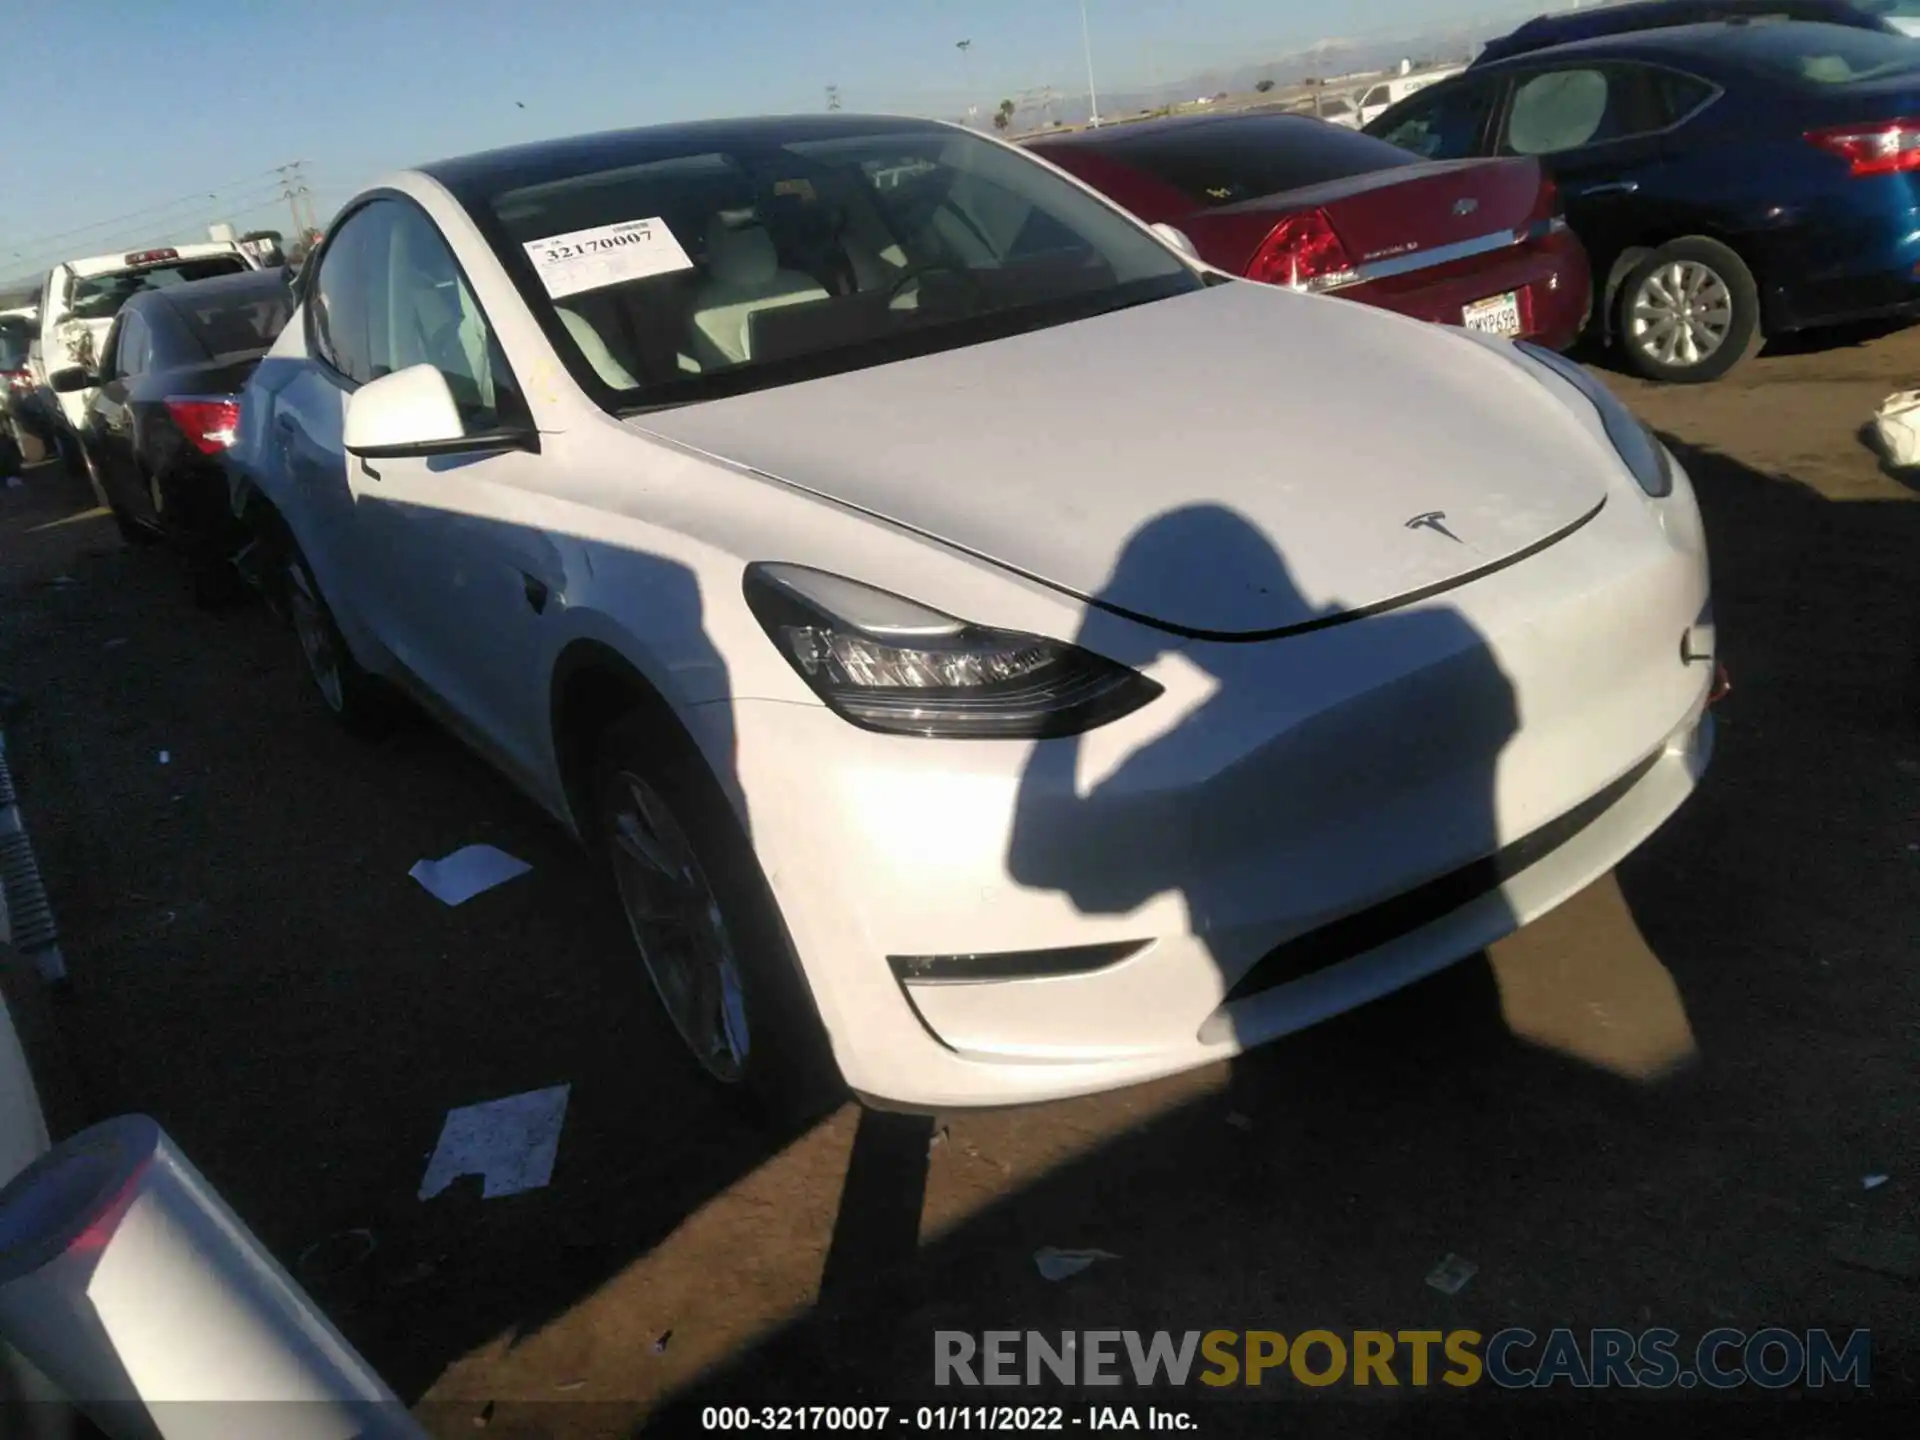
99, 297
1825, 54
709, 273
1222, 162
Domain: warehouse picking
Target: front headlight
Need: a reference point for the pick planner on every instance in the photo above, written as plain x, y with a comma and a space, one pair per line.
891, 665
1639, 447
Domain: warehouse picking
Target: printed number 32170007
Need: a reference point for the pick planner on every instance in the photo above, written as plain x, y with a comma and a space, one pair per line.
597, 244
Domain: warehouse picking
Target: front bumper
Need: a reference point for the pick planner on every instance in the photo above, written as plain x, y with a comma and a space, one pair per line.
1370, 803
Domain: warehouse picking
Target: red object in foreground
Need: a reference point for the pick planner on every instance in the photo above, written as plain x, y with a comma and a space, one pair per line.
209, 423
1722, 685
1296, 202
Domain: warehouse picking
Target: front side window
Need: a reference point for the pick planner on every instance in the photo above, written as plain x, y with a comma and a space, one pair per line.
1443, 122
341, 300
732, 267
432, 319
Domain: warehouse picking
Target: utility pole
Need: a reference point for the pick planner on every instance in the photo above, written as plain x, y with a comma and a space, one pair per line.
833, 97
1086, 43
965, 47
293, 189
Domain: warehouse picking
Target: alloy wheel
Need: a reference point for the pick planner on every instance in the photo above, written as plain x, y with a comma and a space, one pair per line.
677, 924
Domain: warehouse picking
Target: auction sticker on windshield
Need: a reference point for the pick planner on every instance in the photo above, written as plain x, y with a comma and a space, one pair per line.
606, 255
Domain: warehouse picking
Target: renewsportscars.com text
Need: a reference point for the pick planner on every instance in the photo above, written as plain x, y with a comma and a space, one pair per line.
1514, 1359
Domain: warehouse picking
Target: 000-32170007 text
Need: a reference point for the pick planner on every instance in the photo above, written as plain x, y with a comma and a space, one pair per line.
880, 1417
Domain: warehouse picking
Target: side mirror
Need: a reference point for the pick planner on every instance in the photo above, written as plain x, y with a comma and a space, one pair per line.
402, 412
1177, 239
408, 413
70, 378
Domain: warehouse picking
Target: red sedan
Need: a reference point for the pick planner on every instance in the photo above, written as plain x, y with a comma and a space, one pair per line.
1295, 201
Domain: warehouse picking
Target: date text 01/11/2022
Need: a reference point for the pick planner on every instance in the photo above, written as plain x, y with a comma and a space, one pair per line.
942, 1418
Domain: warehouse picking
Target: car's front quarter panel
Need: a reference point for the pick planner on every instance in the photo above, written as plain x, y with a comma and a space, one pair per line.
1273, 787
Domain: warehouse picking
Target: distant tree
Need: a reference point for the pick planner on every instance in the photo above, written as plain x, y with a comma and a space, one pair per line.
1003, 117
1264, 86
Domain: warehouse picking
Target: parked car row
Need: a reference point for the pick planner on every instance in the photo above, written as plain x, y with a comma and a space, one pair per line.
1674, 189
994, 654
1731, 181
66, 328
164, 405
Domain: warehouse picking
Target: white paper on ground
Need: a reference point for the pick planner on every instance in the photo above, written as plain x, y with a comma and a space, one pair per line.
14, 482
606, 255
465, 873
509, 1143
1897, 426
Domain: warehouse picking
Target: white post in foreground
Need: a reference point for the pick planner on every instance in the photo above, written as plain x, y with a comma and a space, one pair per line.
129, 1283
1086, 43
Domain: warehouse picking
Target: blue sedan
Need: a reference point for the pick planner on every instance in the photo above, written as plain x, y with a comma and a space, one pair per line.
1730, 181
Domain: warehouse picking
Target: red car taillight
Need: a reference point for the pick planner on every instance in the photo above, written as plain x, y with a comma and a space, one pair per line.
1885, 147
1303, 252
19, 379
209, 424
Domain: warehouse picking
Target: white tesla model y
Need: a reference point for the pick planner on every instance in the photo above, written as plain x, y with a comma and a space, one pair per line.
996, 656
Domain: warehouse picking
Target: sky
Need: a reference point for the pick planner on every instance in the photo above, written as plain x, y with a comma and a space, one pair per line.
138, 121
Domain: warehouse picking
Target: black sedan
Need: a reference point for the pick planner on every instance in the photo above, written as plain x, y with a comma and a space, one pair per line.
168, 401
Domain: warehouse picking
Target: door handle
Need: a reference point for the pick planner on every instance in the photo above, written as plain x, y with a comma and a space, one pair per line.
1611, 187
284, 424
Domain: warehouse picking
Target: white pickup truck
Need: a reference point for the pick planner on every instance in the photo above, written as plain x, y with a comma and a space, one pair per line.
81, 297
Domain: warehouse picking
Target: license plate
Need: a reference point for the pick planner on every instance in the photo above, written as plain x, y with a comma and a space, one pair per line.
1498, 316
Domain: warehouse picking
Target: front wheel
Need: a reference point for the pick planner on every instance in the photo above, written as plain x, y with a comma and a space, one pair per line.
1689, 312
705, 923
352, 696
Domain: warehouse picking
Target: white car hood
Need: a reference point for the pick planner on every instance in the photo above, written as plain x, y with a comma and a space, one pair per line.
1327, 426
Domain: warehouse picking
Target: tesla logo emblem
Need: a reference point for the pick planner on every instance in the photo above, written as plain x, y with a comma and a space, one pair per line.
1434, 520
1466, 206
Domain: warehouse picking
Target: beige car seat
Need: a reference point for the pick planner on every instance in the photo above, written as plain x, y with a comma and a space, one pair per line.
743, 278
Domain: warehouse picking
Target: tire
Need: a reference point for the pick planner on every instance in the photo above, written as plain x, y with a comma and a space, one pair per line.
131, 530
212, 582
1725, 309
358, 700
656, 808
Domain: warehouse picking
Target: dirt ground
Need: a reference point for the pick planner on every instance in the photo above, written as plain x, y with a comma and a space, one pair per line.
1655, 1107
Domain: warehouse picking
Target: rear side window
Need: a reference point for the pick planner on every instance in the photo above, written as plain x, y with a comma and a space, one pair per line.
1678, 96
1225, 162
1446, 122
238, 320
134, 353
1566, 109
